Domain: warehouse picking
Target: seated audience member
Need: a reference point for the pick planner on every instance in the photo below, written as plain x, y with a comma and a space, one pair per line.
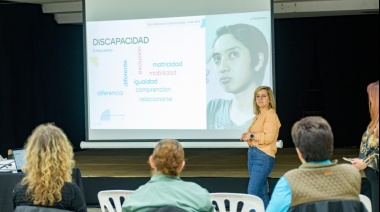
48, 167
318, 178
165, 188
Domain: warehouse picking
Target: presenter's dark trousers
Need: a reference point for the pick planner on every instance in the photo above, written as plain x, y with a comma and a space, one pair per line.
373, 178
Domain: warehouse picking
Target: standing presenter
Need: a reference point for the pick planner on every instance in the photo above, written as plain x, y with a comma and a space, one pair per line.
261, 138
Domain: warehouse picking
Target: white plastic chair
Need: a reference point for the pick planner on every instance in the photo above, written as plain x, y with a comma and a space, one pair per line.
366, 201
249, 202
105, 197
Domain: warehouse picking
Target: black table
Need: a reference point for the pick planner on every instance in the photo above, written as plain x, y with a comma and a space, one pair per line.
8, 182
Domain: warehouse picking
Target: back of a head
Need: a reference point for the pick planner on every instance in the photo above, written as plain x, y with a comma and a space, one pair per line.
313, 137
48, 163
168, 156
48, 146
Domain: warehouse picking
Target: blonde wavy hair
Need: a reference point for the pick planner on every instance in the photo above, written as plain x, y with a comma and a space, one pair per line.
168, 156
48, 164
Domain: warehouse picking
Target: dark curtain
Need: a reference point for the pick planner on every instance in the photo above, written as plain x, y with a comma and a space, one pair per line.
322, 66
41, 68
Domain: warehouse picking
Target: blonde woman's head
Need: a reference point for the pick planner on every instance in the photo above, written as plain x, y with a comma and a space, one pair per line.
269, 94
48, 164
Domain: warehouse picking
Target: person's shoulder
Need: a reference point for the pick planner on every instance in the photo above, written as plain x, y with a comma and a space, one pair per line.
190, 184
19, 187
195, 192
145, 188
147, 185
291, 172
348, 168
193, 186
71, 186
272, 112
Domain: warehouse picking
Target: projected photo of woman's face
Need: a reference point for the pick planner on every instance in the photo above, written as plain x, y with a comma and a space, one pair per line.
237, 64
233, 64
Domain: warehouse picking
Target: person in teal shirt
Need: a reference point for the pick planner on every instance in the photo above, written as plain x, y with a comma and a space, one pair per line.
165, 187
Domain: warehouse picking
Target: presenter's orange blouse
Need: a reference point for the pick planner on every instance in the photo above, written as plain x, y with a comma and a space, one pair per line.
265, 126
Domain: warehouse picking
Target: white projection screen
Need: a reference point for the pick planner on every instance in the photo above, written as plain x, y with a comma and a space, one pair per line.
180, 69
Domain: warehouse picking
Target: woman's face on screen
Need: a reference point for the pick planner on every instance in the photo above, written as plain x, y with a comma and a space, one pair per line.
233, 63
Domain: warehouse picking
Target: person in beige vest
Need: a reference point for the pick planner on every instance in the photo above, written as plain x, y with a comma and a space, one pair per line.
318, 178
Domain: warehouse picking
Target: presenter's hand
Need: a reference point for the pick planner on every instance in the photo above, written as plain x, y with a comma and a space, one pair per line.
242, 138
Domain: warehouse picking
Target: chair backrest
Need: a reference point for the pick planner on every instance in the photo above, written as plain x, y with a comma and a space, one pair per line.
105, 197
366, 201
249, 202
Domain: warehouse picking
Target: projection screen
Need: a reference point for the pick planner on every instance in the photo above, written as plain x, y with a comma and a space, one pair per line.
176, 69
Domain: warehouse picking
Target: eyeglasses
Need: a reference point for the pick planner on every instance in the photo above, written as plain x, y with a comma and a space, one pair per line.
261, 97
